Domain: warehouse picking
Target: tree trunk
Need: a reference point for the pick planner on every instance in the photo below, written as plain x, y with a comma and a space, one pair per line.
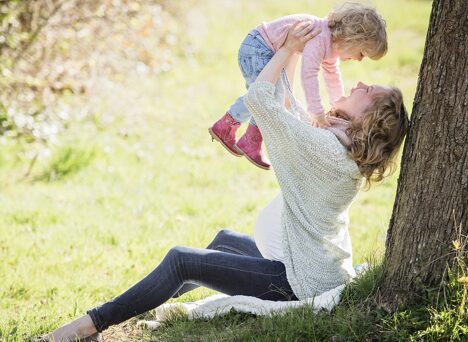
430, 207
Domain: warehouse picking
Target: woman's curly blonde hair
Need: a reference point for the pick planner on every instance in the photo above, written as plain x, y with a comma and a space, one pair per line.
357, 27
377, 136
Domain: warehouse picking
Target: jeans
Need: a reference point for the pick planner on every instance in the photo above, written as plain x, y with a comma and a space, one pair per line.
254, 54
231, 264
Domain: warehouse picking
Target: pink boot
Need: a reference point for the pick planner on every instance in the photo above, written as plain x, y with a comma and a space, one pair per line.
224, 131
250, 145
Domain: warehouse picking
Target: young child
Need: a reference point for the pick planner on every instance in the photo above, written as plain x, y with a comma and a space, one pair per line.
351, 32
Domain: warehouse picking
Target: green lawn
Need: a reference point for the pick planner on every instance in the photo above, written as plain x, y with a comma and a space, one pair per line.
143, 175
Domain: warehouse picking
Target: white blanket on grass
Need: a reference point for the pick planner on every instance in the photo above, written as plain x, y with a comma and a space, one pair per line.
222, 304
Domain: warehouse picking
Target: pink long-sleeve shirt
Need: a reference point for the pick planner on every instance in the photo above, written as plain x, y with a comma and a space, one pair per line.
317, 53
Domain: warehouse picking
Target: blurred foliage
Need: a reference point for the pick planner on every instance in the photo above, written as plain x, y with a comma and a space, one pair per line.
67, 160
51, 48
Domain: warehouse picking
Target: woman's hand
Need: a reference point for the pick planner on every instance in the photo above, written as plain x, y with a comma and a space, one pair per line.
298, 35
321, 121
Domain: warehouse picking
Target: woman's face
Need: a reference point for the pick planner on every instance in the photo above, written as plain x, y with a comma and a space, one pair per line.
360, 98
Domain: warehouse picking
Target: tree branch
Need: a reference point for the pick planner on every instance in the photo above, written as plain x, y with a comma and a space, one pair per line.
36, 32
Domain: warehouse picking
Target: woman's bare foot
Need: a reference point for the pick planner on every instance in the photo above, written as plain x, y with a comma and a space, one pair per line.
78, 329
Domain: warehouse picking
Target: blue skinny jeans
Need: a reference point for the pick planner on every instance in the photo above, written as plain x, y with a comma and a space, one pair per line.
231, 264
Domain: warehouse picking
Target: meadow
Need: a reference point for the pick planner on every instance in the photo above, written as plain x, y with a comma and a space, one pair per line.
141, 175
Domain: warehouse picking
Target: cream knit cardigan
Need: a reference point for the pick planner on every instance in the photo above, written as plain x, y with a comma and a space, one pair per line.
318, 181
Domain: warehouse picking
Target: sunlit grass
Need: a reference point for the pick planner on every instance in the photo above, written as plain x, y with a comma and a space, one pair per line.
66, 161
143, 175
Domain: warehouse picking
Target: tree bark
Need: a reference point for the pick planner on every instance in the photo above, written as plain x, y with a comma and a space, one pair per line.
430, 207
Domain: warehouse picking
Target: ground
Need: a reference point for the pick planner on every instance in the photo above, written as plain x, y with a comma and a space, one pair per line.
142, 175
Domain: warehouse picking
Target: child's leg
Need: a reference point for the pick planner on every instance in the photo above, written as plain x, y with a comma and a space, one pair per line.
254, 54
252, 63
250, 144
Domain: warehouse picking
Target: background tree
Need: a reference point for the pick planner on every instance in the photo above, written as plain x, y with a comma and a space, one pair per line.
430, 209
53, 51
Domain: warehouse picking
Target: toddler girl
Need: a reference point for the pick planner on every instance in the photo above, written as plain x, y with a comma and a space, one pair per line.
351, 32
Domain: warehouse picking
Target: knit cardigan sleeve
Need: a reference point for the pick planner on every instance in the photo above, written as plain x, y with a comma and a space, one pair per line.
318, 182
293, 145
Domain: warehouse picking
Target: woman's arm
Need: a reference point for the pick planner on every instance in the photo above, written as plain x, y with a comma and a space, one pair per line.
298, 35
290, 142
260, 99
291, 72
278, 126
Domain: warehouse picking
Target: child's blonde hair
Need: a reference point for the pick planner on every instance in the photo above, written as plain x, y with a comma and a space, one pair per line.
356, 26
377, 135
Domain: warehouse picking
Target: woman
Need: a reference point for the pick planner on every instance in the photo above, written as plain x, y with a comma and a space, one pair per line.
308, 250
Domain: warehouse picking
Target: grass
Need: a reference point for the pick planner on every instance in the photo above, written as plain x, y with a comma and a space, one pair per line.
356, 318
66, 161
141, 175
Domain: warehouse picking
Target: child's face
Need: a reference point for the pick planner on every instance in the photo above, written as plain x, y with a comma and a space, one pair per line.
360, 98
357, 55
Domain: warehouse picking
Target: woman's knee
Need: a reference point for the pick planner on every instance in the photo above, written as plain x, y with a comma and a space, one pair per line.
182, 262
176, 252
220, 237
176, 255
175, 261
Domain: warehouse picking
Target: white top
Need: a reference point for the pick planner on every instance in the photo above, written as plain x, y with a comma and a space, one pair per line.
318, 182
268, 230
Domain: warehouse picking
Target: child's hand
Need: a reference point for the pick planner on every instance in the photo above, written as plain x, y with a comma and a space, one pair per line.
299, 34
320, 121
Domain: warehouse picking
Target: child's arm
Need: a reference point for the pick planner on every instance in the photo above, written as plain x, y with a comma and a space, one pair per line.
290, 72
278, 126
311, 61
333, 81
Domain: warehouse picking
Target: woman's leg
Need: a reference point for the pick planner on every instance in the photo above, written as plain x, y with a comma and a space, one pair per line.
77, 329
225, 272
230, 242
